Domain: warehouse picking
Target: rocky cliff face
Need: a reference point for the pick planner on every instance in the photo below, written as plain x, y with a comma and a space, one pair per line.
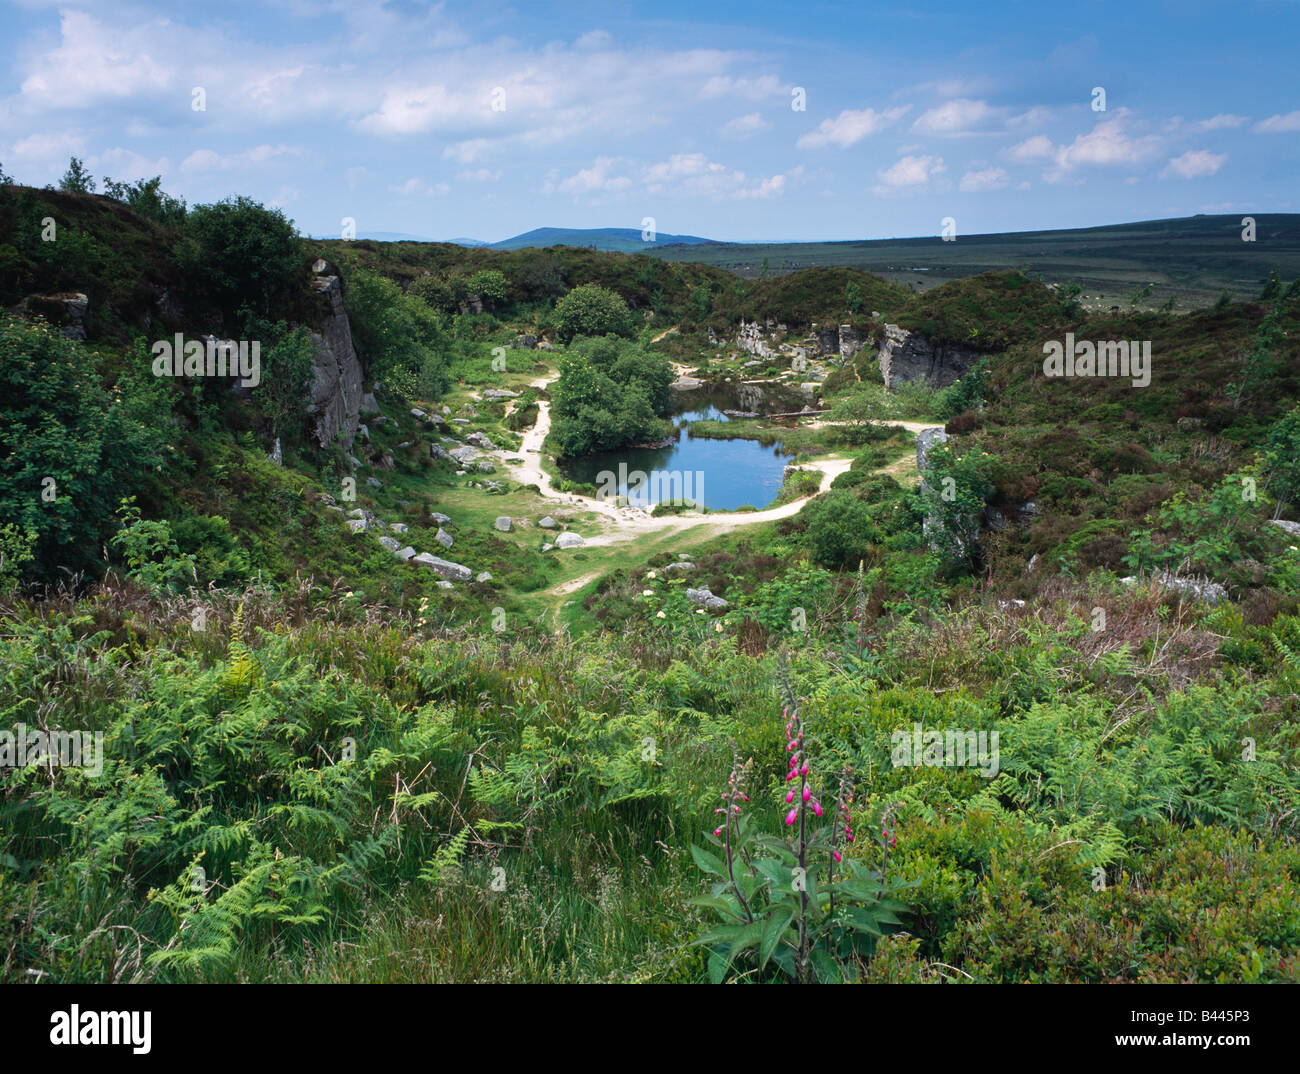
908, 355
336, 389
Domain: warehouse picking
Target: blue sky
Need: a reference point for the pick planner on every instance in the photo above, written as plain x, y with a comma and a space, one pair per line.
486, 119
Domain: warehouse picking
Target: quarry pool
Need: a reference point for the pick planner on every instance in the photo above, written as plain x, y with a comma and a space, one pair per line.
722, 475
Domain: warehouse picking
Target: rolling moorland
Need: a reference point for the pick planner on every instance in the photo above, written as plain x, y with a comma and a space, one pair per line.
389, 692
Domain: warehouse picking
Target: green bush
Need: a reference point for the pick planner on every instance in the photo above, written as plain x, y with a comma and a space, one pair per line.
591, 310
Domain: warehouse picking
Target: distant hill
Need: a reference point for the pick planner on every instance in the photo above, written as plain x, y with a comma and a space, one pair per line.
1193, 258
624, 240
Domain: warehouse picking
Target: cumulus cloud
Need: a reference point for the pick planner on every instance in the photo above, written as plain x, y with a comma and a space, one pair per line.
1194, 164
850, 127
908, 172
1106, 145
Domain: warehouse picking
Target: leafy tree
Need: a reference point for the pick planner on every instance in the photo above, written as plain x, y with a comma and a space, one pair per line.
147, 198
435, 291
77, 179
288, 364
609, 393
69, 449
5, 180
539, 275
1261, 359
490, 285
591, 310
953, 495
853, 297
243, 252
399, 338
861, 408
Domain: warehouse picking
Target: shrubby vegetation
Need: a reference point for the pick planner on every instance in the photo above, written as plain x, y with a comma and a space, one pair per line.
319, 765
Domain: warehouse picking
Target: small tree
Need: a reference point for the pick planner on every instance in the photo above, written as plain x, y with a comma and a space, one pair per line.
77, 179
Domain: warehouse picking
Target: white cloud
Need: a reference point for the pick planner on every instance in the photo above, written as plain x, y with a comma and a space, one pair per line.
850, 127
479, 175
743, 126
96, 61
1222, 122
960, 116
1105, 145
209, 160
909, 171
598, 178
683, 175
1279, 124
985, 179
1194, 164
1039, 147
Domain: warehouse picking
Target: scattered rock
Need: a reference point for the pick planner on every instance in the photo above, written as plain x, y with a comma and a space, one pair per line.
480, 440
548, 523
440, 518
443, 538
368, 405
405, 554
455, 572
485, 466
483, 576
569, 540
503, 523
390, 543
398, 527
1292, 528
499, 393
1200, 588
707, 599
